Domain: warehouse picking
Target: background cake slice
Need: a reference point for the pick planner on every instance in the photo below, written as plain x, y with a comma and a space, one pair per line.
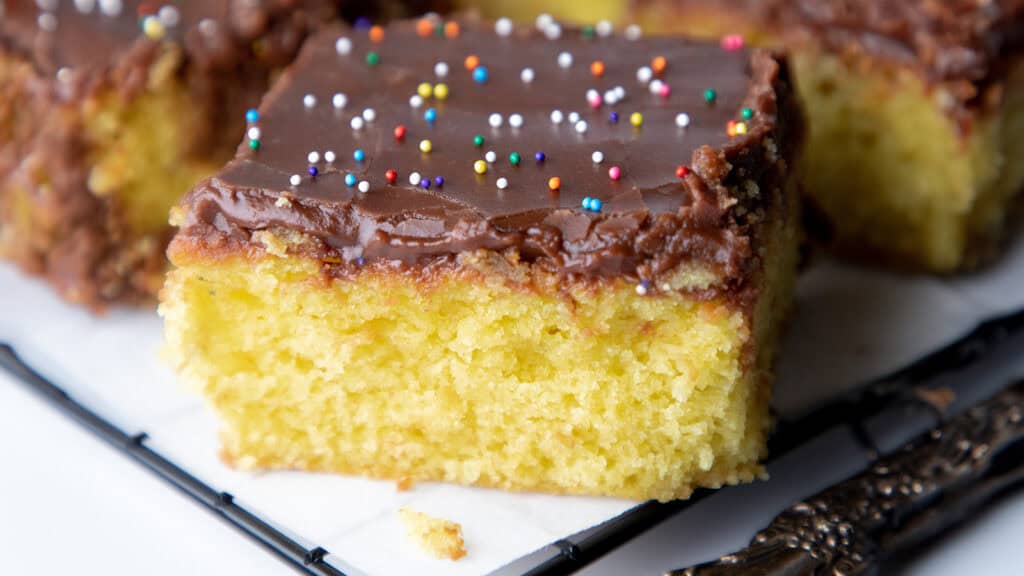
494, 258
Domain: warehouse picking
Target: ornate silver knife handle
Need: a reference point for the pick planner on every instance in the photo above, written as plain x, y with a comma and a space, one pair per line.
928, 485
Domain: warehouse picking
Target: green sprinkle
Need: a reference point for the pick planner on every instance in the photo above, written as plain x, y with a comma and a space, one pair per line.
588, 32
254, 144
478, 140
747, 113
710, 96
514, 158
373, 58
439, 29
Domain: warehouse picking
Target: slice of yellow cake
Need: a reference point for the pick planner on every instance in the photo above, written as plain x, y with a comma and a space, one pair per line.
491, 258
915, 115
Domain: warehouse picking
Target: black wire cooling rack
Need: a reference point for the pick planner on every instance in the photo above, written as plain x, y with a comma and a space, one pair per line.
567, 555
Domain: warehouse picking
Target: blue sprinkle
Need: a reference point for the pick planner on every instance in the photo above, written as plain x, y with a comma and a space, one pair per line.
362, 23
595, 204
430, 115
613, 117
586, 203
359, 155
252, 116
425, 183
360, 261
350, 179
439, 181
539, 156
313, 171
480, 74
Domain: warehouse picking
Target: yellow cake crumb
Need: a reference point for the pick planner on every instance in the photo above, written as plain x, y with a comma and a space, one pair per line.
437, 536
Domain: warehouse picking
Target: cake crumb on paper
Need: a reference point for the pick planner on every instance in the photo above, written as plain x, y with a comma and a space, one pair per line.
437, 536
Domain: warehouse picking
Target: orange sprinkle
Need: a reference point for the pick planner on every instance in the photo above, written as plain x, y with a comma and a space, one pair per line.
658, 64
451, 29
424, 27
554, 183
597, 68
730, 128
376, 34
472, 62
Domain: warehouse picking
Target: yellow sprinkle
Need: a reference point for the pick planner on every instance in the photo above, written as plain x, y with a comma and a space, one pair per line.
480, 167
441, 91
741, 128
153, 28
636, 119
426, 146
425, 90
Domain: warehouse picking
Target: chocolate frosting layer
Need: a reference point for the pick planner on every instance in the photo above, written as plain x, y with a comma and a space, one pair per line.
948, 40
649, 221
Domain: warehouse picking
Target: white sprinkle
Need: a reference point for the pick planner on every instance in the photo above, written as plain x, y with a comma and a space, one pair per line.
313, 157
207, 26
597, 157
369, 114
611, 97
339, 100
491, 157
415, 178
169, 16
441, 69
502, 183
682, 120
641, 289
47, 21
581, 127
495, 120
254, 133
644, 74
343, 46
620, 93
592, 95
655, 86
564, 60
415, 101
527, 75
515, 120
544, 20
574, 117
47, 5
295, 180
503, 27
357, 123
604, 28
633, 32
329, 156
111, 7
556, 116
309, 100
64, 75
85, 6
364, 186
553, 31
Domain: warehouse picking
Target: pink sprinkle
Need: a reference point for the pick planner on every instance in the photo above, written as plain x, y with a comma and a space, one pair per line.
732, 42
614, 173
665, 91
595, 101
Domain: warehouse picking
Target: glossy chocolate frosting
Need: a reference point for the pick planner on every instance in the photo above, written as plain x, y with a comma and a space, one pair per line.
650, 219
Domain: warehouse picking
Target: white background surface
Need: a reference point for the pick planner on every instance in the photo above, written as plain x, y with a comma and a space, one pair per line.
69, 504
